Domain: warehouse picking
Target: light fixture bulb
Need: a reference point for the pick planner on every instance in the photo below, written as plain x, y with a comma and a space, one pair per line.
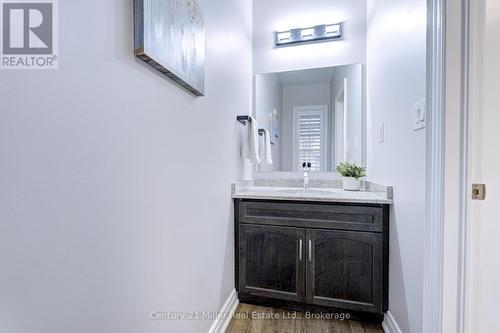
307, 33
283, 36
333, 29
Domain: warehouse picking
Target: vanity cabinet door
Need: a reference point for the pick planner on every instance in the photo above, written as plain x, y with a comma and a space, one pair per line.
344, 270
272, 262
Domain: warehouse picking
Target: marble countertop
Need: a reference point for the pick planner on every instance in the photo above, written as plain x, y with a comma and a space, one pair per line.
312, 194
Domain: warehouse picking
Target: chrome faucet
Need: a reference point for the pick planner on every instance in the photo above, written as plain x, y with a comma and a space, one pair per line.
306, 167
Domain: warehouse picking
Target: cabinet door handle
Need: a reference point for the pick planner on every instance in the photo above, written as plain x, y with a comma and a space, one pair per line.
310, 250
300, 249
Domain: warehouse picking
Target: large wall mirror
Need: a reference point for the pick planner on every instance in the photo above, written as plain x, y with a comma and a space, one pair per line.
314, 116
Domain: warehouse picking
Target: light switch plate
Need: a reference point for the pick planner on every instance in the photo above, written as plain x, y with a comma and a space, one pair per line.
420, 110
381, 132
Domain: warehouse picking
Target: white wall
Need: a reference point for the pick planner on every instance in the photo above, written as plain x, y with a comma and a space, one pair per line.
277, 15
354, 98
301, 95
269, 96
101, 165
396, 78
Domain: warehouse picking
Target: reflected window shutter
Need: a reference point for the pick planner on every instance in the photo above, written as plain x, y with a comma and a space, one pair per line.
309, 139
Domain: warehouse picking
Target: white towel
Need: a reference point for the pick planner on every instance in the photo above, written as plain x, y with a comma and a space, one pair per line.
265, 151
250, 149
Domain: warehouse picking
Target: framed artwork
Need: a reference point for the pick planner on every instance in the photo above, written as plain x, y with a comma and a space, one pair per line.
170, 36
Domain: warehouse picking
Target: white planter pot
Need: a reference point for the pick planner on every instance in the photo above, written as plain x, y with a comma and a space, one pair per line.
351, 184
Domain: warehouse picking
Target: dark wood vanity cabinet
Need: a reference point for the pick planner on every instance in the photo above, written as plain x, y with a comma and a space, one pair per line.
344, 270
270, 262
312, 255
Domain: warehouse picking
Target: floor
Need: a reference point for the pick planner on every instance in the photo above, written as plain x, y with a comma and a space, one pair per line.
256, 319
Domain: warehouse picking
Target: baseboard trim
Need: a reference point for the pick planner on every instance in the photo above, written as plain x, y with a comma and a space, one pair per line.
390, 325
225, 314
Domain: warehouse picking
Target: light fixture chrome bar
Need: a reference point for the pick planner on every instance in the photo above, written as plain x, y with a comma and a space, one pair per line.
318, 33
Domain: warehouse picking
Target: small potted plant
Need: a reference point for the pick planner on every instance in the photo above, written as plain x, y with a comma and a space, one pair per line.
352, 174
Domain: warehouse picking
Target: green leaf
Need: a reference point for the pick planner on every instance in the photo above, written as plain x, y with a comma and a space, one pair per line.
351, 169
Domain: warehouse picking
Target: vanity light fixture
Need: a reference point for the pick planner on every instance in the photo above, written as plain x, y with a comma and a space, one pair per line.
318, 33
